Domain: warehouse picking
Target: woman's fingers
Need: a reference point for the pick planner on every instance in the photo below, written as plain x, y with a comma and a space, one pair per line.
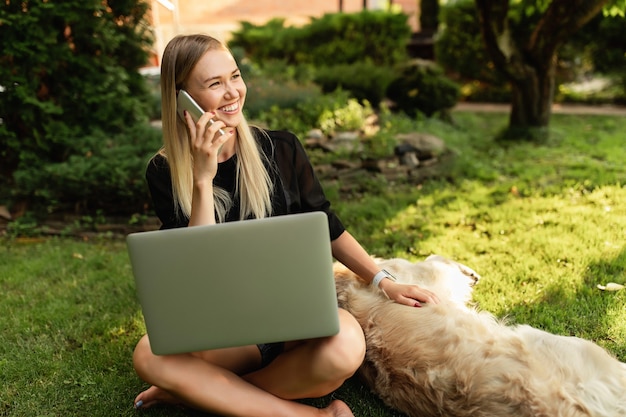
411, 295
206, 131
213, 129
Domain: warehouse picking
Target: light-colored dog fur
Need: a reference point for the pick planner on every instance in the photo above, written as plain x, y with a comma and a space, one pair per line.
451, 360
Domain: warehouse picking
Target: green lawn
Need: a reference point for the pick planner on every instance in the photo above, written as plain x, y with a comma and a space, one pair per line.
544, 224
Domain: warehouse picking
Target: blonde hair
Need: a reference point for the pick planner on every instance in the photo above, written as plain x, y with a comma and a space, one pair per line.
252, 180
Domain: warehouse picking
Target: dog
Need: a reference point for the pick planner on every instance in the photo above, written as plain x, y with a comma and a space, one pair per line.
451, 359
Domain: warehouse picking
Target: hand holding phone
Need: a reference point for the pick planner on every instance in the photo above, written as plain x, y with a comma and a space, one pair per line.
185, 102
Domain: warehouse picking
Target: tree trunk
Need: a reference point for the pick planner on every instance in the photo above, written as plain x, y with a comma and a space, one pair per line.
532, 97
529, 62
429, 16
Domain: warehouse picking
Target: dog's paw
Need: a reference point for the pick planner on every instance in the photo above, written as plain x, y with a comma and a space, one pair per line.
474, 277
465, 270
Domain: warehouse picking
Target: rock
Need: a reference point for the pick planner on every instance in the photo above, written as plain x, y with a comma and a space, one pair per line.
5, 213
425, 146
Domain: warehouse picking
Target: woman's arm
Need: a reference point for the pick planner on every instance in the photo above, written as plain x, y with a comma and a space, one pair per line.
202, 204
349, 252
205, 144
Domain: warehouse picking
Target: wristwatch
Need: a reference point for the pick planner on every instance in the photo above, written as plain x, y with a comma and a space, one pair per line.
382, 274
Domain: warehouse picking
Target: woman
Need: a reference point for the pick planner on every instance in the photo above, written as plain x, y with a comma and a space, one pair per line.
203, 177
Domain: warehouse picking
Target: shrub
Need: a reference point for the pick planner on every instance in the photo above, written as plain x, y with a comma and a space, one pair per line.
104, 173
342, 118
364, 80
598, 49
260, 42
423, 87
67, 68
460, 51
330, 112
277, 84
377, 36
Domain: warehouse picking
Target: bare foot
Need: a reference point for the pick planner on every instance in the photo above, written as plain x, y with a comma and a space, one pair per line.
339, 409
155, 395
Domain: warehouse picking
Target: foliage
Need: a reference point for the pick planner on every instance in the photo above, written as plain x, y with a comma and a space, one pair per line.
600, 48
423, 87
596, 48
523, 42
277, 84
460, 50
105, 173
348, 117
364, 80
265, 93
543, 225
459, 47
379, 37
261, 42
330, 112
67, 68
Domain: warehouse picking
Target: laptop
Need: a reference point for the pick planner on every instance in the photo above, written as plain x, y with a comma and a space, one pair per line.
237, 283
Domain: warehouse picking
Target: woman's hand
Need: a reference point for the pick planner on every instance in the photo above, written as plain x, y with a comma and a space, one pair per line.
410, 295
206, 143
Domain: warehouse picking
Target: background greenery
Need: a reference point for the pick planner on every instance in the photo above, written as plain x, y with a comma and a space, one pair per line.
543, 224
595, 52
74, 136
70, 92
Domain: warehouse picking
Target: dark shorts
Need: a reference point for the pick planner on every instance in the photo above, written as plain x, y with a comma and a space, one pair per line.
269, 352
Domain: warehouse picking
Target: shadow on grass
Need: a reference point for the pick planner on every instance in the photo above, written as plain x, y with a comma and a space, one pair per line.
585, 312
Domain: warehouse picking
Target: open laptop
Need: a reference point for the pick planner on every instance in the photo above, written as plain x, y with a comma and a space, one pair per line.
235, 284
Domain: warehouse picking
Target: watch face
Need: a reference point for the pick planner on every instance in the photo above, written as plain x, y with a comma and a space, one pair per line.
389, 275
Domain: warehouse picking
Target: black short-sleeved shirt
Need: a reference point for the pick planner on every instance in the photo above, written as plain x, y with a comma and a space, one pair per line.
296, 187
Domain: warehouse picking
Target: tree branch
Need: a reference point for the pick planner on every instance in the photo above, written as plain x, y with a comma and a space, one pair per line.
561, 20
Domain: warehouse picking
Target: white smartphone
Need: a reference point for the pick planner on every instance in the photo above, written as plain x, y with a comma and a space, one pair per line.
185, 102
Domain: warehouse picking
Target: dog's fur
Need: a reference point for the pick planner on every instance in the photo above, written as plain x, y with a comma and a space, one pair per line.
451, 360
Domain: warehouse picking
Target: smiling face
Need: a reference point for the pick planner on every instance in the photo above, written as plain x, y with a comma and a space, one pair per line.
216, 84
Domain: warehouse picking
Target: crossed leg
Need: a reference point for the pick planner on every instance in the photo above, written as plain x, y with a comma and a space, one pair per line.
219, 380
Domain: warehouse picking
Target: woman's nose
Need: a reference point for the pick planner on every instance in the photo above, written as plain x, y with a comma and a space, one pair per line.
231, 91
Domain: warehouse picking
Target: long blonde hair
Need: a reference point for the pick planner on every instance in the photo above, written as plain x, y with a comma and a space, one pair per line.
252, 181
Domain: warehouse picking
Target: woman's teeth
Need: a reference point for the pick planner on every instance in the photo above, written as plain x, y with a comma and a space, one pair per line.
230, 108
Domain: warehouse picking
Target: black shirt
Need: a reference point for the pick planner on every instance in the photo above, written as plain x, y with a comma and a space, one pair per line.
296, 187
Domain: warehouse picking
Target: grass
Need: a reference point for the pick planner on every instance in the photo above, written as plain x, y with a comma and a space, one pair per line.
544, 224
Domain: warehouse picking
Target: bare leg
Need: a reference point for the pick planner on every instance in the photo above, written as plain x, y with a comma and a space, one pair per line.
316, 367
209, 380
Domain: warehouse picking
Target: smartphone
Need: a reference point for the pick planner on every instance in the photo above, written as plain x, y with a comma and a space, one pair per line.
185, 102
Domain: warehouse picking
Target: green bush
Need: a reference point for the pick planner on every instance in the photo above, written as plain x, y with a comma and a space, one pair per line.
379, 37
265, 93
277, 84
330, 112
105, 173
364, 80
346, 117
66, 69
422, 87
460, 50
260, 42
598, 49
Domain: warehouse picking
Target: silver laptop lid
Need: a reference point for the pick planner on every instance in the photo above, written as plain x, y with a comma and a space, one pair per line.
234, 284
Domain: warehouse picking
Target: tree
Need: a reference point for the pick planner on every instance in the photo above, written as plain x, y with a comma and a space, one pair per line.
524, 46
429, 15
67, 68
